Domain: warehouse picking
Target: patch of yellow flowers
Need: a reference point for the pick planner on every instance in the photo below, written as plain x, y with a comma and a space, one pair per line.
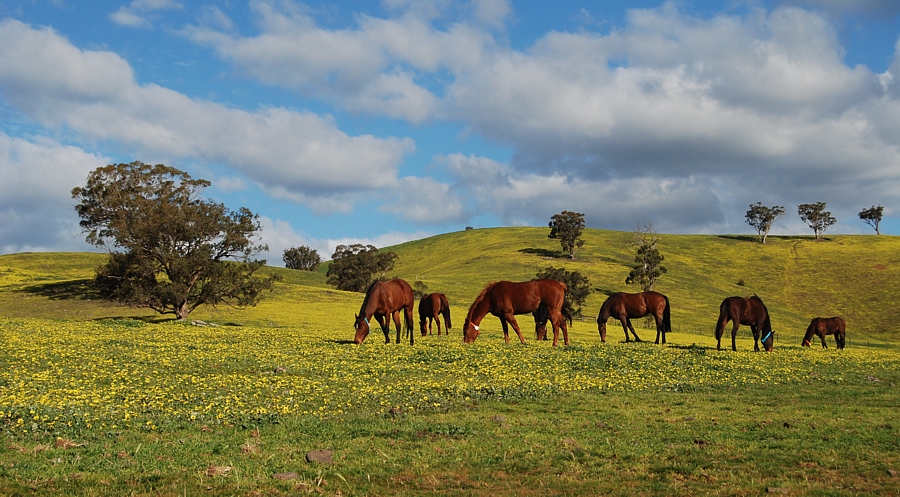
66, 376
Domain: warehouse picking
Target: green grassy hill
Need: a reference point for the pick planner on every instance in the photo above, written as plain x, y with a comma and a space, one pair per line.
854, 276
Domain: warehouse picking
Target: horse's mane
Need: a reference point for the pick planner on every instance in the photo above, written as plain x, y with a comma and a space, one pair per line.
480, 298
362, 308
606, 304
756, 298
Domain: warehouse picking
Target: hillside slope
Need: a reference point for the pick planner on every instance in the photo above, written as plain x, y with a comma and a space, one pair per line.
855, 276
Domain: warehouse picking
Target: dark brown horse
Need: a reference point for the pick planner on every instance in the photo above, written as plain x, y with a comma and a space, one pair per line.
431, 307
384, 301
827, 326
624, 306
505, 299
542, 316
748, 311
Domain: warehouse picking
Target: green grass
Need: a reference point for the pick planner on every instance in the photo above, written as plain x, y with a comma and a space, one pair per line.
97, 399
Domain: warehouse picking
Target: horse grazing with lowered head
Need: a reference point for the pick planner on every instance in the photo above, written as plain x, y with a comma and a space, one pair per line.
624, 306
431, 308
542, 316
747, 311
505, 299
827, 326
384, 301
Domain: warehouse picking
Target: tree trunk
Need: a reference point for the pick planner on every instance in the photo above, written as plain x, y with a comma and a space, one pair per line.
182, 311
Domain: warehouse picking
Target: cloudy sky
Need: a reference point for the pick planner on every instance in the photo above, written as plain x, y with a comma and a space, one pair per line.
381, 122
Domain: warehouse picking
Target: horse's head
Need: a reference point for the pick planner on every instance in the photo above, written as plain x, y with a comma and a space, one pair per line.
470, 332
601, 327
768, 338
361, 325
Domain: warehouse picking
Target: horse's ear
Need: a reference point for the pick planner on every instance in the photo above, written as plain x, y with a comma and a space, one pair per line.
355, 317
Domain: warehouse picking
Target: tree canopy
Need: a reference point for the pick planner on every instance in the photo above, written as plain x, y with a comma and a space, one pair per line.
578, 286
762, 218
872, 217
303, 258
355, 267
568, 226
816, 217
647, 266
170, 250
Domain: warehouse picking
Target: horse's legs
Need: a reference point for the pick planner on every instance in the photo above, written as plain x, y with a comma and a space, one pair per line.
554, 321
737, 324
625, 327
505, 329
631, 327
385, 326
565, 330
408, 314
395, 316
824, 344
511, 318
755, 330
437, 319
659, 328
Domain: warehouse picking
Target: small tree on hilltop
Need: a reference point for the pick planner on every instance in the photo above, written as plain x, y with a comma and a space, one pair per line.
578, 286
872, 216
762, 218
647, 267
303, 258
816, 217
567, 226
355, 267
169, 249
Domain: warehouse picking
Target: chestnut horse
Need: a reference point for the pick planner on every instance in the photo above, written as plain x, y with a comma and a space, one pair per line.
624, 306
505, 299
748, 311
431, 307
827, 326
384, 300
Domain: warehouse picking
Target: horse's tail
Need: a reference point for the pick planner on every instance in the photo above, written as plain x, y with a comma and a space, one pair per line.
723, 316
667, 317
567, 311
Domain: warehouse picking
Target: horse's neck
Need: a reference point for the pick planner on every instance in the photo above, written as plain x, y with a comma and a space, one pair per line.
604, 312
478, 311
368, 308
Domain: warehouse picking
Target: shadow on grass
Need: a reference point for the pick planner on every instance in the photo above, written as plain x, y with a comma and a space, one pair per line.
341, 342
154, 319
551, 254
755, 238
66, 290
701, 349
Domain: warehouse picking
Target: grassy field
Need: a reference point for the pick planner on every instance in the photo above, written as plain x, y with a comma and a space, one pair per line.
105, 400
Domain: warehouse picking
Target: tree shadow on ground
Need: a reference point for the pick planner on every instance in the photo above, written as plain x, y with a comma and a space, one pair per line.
66, 290
700, 349
551, 254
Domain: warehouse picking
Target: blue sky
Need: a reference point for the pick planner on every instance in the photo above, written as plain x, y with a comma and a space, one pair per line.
381, 122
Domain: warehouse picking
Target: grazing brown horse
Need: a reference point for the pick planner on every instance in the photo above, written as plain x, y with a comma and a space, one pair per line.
505, 299
542, 315
748, 311
384, 300
827, 326
431, 307
624, 306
